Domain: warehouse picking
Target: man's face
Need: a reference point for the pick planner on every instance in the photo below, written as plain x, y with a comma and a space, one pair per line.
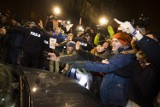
57, 31
70, 50
2, 31
70, 36
115, 45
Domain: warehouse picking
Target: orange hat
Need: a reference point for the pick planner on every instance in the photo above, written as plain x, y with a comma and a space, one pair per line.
123, 38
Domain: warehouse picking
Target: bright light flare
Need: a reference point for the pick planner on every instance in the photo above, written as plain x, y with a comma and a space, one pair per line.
103, 21
80, 28
68, 22
34, 89
57, 10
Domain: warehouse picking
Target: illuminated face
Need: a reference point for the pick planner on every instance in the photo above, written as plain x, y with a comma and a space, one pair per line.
101, 48
70, 50
115, 45
105, 45
57, 31
70, 36
2, 31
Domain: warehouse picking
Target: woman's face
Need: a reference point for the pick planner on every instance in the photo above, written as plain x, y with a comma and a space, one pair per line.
105, 45
100, 48
115, 45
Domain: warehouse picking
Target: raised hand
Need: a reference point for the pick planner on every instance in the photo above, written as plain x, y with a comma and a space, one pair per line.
105, 61
78, 45
126, 26
52, 56
40, 24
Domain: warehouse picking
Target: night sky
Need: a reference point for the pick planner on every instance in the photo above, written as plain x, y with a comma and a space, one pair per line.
121, 9
130, 9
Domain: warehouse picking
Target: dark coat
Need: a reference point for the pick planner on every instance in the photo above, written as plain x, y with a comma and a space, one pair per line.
14, 42
32, 45
152, 50
144, 82
151, 85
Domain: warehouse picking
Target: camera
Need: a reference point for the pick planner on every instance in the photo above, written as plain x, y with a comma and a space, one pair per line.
83, 44
142, 21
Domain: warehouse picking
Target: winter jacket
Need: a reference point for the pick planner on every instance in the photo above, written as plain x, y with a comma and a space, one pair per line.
114, 88
32, 45
152, 50
144, 83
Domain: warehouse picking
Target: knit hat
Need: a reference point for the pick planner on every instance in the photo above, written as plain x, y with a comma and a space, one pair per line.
71, 44
123, 38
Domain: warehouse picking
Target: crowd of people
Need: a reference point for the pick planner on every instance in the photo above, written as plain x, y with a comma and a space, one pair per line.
124, 66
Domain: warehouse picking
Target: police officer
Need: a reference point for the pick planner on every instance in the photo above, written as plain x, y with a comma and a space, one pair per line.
33, 41
14, 42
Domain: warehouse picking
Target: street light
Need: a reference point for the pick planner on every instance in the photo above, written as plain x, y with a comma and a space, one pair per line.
56, 10
68, 22
103, 21
80, 28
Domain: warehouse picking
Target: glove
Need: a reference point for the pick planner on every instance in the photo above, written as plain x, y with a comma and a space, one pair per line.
126, 26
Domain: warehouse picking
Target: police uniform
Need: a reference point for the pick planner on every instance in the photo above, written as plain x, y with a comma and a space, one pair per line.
33, 40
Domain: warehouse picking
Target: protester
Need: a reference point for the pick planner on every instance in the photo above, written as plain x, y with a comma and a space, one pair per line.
101, 52
144, 76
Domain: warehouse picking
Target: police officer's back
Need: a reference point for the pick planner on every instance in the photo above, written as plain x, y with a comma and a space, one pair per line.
32, 43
